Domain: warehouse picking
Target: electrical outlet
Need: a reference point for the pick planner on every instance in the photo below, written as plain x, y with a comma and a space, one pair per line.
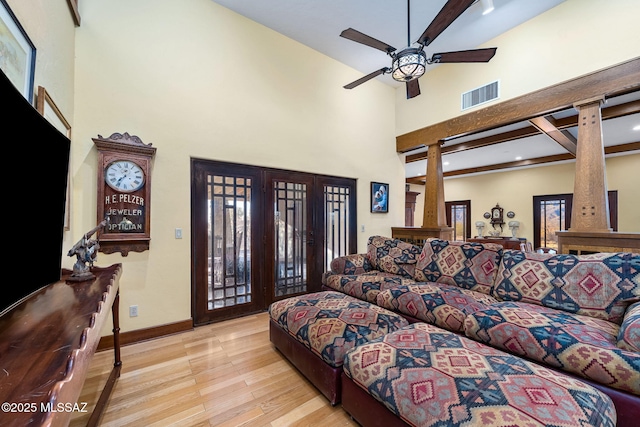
133, 311
362, 228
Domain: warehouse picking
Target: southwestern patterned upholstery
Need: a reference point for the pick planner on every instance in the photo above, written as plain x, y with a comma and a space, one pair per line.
365, 286
351, 264
583, 345
629, 336
393, 256
331, 323
576, 314
599, 286
438, 304
470, 266
430, 377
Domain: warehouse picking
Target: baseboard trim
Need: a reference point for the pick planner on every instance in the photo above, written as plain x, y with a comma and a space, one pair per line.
139, 335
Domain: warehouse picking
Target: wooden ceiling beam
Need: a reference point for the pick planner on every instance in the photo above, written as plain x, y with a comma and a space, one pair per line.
547, 125
616, 80
613, 112
614, 149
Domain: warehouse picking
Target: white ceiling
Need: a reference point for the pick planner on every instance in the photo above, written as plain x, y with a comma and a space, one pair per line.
318, 24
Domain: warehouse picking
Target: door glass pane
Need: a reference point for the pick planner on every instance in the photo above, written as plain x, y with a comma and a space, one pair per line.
229, 248
290, 232
336, 229
552, 219
459, 221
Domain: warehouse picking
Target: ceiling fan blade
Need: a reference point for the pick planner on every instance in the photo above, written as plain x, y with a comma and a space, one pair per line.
474, 55
366, 78
413, 88
449, 13
359, 37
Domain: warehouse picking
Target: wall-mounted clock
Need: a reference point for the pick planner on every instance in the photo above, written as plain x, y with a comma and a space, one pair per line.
497, 217
124, 175
124, 193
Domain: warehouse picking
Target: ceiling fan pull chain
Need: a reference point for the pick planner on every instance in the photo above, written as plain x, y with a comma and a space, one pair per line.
408, 22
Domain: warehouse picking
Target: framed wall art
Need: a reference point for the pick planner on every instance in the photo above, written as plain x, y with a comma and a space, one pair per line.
379, 197
18, 57
50, 111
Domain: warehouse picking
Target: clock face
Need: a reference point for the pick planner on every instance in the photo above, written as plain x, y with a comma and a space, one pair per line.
124, 176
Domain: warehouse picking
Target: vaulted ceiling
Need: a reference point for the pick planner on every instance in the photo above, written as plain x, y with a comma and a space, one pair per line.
318, 24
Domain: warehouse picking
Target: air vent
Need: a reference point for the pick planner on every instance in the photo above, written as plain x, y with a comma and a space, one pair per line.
481, 95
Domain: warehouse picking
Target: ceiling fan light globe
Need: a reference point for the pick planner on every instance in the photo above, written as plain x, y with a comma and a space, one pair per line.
408, 65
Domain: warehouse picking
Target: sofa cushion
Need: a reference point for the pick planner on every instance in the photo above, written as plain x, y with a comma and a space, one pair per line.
438, 304
431, 377
351, 264
629, 335
467, 265
393, 255
331, 323
599, 285
583, 345
365, 286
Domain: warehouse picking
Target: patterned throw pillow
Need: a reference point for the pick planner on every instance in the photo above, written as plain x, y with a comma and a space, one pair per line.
629, 336
393, 255
467, 265
600, 285
351, 264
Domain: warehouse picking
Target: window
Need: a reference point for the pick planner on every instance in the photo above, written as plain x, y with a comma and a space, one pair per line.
458, 217
552, 213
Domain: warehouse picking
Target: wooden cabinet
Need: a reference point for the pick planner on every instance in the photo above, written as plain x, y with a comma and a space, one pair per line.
591, 242
409, 207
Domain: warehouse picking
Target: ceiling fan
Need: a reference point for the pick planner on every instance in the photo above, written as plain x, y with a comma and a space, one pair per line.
410, 63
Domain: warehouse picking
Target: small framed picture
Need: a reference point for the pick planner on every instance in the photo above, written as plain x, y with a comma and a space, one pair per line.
18, 57
379, 197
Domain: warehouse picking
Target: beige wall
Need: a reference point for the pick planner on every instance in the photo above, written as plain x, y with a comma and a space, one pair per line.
563, 43
514, 191
199, 81
572, 39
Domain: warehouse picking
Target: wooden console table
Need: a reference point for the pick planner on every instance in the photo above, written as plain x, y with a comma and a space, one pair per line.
505, 242
46, 344
419, 235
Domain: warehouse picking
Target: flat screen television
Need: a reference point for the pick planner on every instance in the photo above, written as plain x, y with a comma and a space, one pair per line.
35, 170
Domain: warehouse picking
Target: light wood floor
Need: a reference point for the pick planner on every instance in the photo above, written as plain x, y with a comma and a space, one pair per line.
224, 374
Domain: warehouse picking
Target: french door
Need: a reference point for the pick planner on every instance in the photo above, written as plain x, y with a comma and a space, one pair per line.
290, 237
260, 235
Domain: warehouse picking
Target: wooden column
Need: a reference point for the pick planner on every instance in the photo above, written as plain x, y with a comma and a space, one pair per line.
434, 222
434, 210
590, 227
590, 211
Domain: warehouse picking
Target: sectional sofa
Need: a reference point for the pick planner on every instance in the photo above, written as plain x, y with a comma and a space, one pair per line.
579, 315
